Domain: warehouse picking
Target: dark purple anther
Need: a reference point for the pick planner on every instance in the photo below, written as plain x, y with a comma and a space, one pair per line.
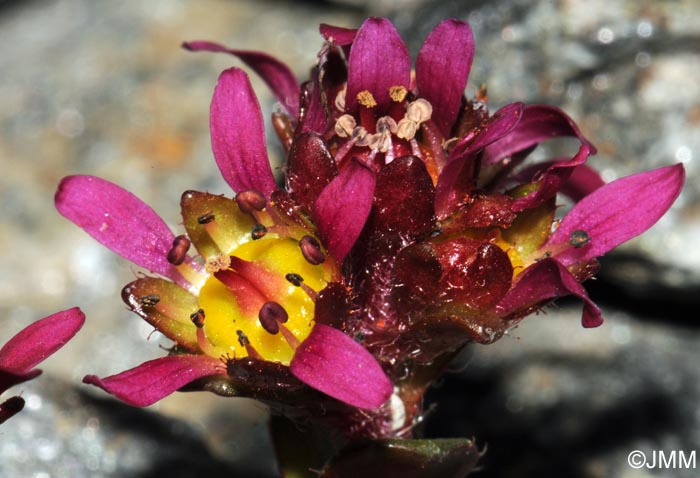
258, 232
271, 315
250, 201
311, 250
206, 218
178, 253
197, 318
295, 279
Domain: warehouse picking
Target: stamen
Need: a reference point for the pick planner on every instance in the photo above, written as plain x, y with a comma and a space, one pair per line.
245, 342
298, 281
203, 342
271, 315
386, 125
579, 239
149, 300
197, 318
295, 279
419, 111
398, 93
360, 136
206, 218
415, 148
406, 129
340, 99
178, 253
311, 250
250, 202
366, 99
345, 125
482, 94
258, 232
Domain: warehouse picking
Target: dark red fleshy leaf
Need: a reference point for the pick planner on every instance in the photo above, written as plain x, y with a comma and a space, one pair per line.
312, 115
442, 69
403, 200
310, 168
416, 278
333, 306
474, 273
545, 280
278, 77
493, 210
378, 60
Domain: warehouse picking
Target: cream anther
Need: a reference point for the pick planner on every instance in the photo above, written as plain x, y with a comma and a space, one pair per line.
345, 125
419, 111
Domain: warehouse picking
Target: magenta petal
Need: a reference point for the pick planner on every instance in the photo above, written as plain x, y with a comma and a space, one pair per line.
120, 221
618, 212
342, 208
149, 382
278, 77
552, 180
338, 35
442, 69
539, 123
378, 60
457, 177
582, 182
238, 135
548, 279
37, 341
330, 361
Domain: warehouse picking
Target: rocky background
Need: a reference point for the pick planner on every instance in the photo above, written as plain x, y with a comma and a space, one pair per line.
98, 87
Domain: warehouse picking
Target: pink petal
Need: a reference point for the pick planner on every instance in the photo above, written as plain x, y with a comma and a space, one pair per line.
330, 361
378, 60
120, 221
582, 182
338, 35
342, 208
442, 69
37, 341
539, 123
156, 379
548, 279
238, 135
278, 77
552, 180
457, 177
618, 212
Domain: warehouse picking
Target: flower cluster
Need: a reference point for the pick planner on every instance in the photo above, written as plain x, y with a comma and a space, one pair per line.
407, 226
32, 345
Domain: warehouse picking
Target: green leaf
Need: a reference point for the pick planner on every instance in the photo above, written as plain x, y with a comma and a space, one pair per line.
435, 458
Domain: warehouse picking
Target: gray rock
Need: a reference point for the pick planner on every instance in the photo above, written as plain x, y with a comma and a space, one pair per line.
554, 399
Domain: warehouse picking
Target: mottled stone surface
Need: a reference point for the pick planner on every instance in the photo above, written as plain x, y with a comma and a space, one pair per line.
552, 399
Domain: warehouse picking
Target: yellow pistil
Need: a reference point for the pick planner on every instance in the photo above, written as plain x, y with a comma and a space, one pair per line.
230, 309
366, 99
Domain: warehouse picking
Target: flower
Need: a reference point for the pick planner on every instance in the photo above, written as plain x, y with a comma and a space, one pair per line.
32, 345
407, 227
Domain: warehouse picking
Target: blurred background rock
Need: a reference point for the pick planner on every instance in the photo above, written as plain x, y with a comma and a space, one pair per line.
98, 87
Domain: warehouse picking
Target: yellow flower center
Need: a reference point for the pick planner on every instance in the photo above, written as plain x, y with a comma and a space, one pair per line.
232, 299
